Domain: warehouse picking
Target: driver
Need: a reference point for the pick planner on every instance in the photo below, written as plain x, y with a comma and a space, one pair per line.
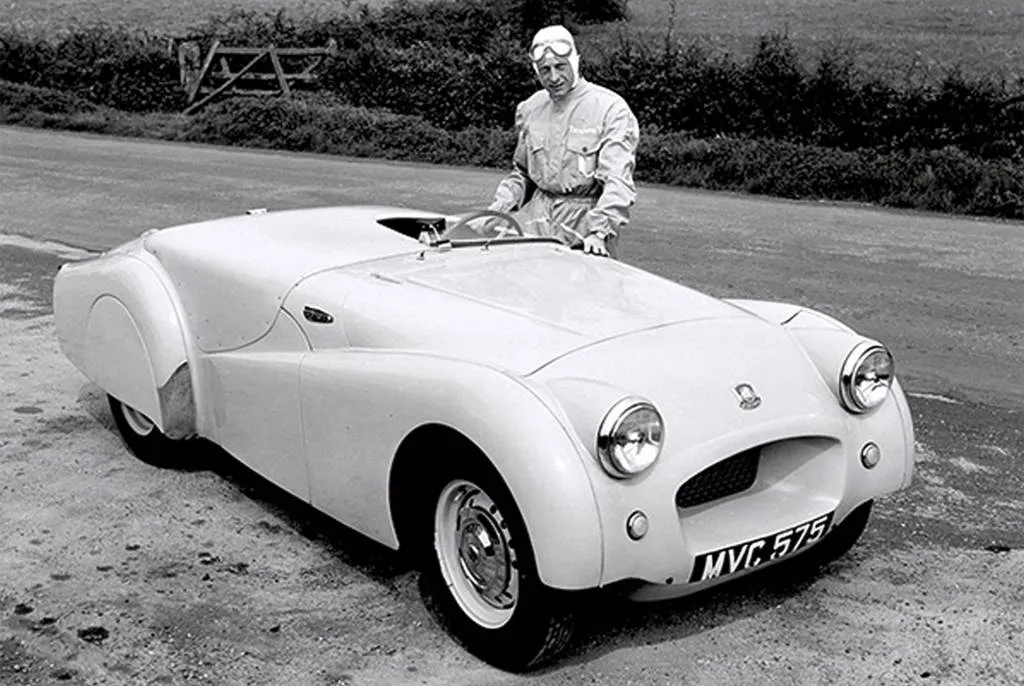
572, 174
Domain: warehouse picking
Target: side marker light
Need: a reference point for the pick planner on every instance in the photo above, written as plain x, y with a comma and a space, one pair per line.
637, 525
870, 455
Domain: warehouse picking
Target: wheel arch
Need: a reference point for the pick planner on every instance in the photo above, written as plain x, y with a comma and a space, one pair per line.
564, 559
404, 500
390, 405
118, 322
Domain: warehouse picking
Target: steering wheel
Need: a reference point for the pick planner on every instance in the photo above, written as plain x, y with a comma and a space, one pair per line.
503, 217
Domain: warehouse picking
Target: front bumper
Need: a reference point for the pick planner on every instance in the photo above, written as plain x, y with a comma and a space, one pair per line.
808, 467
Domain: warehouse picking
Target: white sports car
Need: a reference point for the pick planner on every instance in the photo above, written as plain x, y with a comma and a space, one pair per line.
526, 420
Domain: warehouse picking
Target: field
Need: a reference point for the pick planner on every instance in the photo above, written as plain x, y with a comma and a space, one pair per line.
895, 36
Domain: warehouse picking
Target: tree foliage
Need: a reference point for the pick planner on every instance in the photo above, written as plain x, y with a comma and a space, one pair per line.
531, 15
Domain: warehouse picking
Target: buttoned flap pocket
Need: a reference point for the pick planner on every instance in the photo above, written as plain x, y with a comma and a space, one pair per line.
582, 147
536, 158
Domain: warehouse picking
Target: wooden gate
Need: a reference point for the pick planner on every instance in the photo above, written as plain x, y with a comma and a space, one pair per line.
246, 70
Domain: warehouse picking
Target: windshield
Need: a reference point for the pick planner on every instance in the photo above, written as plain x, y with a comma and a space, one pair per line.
481, 227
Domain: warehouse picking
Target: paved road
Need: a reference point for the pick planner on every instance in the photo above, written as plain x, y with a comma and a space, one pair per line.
213, 576
946, 294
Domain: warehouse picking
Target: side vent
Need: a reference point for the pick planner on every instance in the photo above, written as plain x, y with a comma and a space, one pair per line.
316, 315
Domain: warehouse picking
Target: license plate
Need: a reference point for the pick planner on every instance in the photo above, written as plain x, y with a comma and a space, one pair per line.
750, 554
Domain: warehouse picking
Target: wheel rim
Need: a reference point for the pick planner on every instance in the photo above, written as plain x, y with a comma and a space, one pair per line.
477, 560
138, 422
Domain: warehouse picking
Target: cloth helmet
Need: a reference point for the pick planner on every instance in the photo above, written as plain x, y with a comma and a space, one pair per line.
558, 41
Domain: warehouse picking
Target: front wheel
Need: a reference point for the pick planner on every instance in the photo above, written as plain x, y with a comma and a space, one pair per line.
484, 580
141, 435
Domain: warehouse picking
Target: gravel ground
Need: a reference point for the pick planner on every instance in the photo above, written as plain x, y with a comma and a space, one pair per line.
115, 572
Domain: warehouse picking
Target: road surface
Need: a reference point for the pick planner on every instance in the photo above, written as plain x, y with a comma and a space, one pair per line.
114, 572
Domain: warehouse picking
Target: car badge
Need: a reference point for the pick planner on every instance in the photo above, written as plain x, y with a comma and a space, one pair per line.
749, 399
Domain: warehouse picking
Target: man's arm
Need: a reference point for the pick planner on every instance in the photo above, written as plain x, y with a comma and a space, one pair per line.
511, 192
615, 162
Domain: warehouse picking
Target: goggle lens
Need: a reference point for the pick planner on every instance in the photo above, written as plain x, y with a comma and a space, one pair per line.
560, 48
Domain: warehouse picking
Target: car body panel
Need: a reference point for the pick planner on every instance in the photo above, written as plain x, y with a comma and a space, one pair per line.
255, 401
118, 323
563, 288
358, 406
414, 302
810, 446
316, 342
233, 274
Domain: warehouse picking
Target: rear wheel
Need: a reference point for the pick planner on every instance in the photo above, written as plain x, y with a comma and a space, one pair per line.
482, 576
141, 435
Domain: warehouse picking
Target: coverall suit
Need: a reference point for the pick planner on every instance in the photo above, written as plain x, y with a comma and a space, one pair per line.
573, 164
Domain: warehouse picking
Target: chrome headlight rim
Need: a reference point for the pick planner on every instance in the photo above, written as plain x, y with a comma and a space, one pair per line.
610, 425
852, 365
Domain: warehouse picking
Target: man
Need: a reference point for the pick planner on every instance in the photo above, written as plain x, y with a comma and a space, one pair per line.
576, 149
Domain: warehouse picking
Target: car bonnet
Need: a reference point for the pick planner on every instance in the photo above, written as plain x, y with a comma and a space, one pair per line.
518, 306
713, 377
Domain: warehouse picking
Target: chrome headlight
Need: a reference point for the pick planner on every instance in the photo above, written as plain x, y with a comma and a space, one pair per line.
865, 378
630, 437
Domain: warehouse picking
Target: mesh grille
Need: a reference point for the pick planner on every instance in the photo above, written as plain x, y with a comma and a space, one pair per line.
731, 475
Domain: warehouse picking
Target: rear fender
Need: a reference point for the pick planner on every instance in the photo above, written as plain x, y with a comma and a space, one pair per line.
118, 323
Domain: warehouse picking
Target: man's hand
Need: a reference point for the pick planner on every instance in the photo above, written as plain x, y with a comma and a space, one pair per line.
593, 244
501, 206
488, 227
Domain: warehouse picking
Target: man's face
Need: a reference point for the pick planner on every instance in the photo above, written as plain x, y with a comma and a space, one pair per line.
555, 74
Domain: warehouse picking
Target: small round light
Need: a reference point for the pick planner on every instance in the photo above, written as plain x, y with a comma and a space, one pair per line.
630, 437
637, 525
870, 455
866, 377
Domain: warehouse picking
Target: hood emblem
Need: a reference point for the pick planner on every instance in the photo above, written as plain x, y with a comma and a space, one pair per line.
749, 399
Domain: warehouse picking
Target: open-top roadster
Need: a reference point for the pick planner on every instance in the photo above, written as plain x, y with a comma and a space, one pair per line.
527, 420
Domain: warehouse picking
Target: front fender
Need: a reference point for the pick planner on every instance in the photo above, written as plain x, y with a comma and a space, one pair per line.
828, 342
359, 405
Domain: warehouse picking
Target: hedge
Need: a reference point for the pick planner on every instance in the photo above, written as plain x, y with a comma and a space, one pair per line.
437, 81
458, 64
321, 125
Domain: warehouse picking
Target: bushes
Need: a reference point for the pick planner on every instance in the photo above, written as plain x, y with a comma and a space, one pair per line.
324, 125
451, 89
438, 80
946, 180
22, 99
461, 63
114, 66
47, 108
463, 25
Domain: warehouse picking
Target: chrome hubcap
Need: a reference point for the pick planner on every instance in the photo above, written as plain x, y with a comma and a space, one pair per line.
477, 560
484, 558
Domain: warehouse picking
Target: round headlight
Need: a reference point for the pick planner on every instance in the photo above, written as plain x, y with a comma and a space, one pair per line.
866, 377
630, 437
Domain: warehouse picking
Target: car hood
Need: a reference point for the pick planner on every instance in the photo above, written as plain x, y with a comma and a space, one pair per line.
693, 373
517, 307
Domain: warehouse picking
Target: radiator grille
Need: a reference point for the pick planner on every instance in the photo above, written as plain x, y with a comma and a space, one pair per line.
732, 475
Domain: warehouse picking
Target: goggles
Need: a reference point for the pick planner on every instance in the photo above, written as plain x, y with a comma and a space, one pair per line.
559, 47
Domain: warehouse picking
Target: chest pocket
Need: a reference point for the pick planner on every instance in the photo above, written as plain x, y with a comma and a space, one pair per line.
581, 154
536, 159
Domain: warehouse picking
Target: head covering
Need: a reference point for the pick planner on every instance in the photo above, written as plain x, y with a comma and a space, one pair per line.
558, 41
